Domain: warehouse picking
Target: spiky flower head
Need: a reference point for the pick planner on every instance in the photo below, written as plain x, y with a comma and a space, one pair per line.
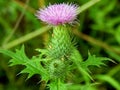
58, 14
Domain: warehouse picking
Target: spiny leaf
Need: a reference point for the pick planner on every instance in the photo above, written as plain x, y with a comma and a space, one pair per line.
93, 61
77, 59
17, 58
33, 66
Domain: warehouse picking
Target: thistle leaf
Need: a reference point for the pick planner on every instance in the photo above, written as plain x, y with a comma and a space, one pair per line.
93, 61
77, 59
33, 65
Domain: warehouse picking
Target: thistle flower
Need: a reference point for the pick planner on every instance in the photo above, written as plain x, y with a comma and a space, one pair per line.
58, 14
60, 47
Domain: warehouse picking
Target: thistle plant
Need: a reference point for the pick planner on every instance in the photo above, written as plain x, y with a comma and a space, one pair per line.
60, 58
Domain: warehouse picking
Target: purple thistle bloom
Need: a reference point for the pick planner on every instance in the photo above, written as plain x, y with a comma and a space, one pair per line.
58, 14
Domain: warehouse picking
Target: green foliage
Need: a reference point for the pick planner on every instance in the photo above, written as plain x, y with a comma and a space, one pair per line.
57, 84
32, 66
82, 87
117, 34
93, 61
56, 68
100, 22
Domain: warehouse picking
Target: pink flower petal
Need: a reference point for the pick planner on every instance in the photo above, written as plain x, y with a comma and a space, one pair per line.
58, 14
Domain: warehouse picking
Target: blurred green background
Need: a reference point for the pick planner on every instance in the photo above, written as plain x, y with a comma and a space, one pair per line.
99, 32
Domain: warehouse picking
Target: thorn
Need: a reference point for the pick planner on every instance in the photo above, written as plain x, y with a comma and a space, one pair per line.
113, 61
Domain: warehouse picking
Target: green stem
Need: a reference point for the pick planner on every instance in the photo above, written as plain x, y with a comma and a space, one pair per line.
58, 84
110, 80
26, 37
86, 6
60, 44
